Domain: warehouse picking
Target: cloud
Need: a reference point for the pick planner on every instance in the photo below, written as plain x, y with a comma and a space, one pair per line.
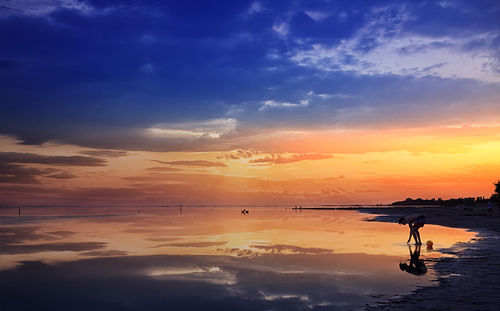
214, 128
61, 175
279, 159
105, 253
409, 55
281, 28
50, 247
194, 163
12, 173
104, 153
212, 88
147, 68
274, 104
148, 39
17, 157
376, 49
193, 244
255, 7
238, 154
177, 187
163, 169
42, 8
317, 15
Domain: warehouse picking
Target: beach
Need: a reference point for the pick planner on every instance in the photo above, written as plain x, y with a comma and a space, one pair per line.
469, 280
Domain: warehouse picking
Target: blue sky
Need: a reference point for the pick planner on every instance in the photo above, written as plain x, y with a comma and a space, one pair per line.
207, 75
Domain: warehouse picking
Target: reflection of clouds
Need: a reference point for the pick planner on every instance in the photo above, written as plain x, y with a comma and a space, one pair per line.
217, 260
283, 296
292, 249
257, 249
60, 234
19, 240
31, 233
213, 275
266, 282
15, 220
235, 251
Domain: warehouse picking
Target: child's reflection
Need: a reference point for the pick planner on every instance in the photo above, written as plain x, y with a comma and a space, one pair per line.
416, 266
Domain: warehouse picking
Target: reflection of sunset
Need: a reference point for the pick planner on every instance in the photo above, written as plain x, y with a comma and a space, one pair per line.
223, 231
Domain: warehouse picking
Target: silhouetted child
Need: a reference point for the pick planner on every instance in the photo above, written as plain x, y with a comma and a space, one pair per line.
415, 222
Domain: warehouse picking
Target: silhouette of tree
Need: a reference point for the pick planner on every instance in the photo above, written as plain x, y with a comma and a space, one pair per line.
470, 201
497, 192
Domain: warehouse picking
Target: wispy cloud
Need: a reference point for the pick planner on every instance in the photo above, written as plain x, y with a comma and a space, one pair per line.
276, 104
12, 173
192, 244
214, 128
17, 157
42, 8
281, 28
376, 49
280, 159
238, 154
317, 15
255, 8
163, 169
104, 153
62, 175
193, 163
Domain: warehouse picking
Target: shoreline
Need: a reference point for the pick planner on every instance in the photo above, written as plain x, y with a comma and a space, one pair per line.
468, 281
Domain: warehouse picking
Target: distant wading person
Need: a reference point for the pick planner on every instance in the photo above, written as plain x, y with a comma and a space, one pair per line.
415, 222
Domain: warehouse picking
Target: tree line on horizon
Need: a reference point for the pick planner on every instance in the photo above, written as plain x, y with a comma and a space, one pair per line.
469, 201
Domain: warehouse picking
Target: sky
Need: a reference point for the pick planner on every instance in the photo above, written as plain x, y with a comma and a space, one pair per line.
247, 102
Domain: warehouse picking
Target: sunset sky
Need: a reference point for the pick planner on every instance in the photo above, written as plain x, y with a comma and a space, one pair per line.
247, 102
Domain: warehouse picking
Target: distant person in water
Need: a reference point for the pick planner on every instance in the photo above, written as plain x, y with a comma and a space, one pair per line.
415, 222
416, 266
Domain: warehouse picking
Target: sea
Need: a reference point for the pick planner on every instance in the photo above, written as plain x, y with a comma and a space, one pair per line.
210, 258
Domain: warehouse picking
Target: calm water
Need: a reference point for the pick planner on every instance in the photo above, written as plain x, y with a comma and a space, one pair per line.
206, 259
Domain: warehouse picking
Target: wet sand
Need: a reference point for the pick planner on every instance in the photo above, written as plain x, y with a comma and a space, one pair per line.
468, 281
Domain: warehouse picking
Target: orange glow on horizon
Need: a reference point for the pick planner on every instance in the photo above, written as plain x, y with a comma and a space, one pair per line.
303, 167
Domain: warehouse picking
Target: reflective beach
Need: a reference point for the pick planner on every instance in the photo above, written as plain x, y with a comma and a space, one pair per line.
206, 258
